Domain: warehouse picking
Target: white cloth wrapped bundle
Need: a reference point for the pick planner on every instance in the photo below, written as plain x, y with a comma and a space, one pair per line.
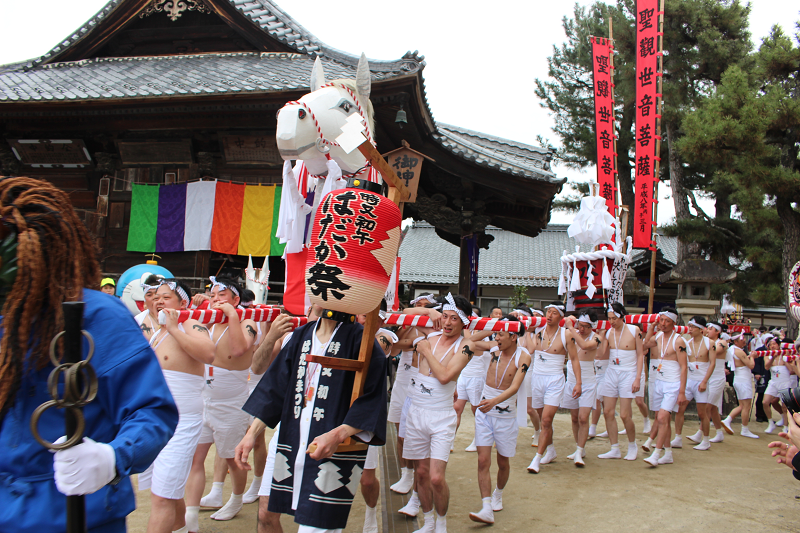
593, 224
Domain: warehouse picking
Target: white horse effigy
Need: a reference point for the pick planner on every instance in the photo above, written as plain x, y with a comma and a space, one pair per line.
306, 132
307, 128
257, 279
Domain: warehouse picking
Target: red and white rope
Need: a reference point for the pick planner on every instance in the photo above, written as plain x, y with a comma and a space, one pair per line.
215, 316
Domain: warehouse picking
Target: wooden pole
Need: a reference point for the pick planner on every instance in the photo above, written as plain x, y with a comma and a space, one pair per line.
660, 97
398, 193
617, 194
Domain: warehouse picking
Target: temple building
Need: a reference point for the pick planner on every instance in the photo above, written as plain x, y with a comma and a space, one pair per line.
159, 92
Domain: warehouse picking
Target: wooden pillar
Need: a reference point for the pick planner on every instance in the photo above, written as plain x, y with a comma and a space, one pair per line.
464, 268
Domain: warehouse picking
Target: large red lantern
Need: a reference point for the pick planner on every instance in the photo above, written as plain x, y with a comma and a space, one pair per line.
356, 234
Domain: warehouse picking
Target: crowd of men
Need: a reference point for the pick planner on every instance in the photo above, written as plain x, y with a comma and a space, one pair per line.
567, 364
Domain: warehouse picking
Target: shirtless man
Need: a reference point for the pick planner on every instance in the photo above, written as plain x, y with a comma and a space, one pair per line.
600, 366
670, 383
554, 344
743, 383
717, 382
431, 420
589, 343
622, 380
779, 380
182, 350
148, 319
701, 364
469, 387
528, 341
400, 392
496, 419
224, 422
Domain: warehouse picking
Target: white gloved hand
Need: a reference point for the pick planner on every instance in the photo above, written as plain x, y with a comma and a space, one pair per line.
85, 468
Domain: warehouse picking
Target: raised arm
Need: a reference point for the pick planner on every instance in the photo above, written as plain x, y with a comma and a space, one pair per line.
270, 345
450, 372
194, 340
649, 340
748, 361
524, 364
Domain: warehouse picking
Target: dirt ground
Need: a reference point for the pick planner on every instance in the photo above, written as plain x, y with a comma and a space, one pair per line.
736, 486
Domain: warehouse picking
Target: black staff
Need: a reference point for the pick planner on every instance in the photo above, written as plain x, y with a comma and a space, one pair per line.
80, 388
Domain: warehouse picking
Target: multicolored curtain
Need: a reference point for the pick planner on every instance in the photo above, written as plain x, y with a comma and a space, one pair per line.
206, 215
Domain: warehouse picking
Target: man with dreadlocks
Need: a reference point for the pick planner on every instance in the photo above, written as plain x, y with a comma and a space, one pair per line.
133, 415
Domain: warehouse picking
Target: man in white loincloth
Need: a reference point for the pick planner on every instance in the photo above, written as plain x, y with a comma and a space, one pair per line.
224, 422
554, 345
431, 420
400, 392
717, 381
670, 383
528, 341
148, 319
700, 366
589, 343
496, 419
622, 380
182, 350
743, 383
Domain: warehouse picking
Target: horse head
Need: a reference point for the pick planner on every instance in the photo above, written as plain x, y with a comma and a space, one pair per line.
256, 280
307, 128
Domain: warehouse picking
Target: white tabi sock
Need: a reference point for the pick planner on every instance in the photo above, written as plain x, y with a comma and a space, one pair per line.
231, 508
214, 497
252, 493
371, 519
193, 519
487, 502
428, 524
441, 521
184, 529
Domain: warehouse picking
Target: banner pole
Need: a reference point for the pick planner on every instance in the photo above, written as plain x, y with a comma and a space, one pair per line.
657, 166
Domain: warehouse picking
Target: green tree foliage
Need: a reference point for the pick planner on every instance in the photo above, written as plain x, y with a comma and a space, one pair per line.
748, 131
520, 296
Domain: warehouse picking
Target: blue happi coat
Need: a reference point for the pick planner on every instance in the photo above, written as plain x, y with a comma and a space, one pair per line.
134, 412
328, 486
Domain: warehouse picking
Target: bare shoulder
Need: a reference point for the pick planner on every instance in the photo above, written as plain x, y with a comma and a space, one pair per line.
194, 327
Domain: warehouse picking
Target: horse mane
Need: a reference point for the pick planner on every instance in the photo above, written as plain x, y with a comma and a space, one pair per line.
351, 84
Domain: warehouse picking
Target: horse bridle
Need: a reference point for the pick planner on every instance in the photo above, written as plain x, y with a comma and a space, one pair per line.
323, 144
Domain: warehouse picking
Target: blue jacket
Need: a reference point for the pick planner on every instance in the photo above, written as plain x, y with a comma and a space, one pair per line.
134, 412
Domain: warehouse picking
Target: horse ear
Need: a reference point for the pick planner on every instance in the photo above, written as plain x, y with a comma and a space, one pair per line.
363, 78
317, 75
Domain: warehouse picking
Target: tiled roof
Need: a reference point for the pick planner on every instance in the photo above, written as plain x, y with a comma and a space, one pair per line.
511, 259
263, 13
137, 77
494, 152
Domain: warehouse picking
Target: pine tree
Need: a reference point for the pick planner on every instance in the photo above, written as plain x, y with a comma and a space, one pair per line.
749, 131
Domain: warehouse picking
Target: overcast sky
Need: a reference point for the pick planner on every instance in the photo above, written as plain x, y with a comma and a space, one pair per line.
482, 57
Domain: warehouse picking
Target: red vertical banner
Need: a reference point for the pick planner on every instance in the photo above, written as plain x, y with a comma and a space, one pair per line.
646, 134
604, 120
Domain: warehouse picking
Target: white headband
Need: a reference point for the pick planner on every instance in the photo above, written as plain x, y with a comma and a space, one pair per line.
451, 306
537, 311
715, 326
215, 283
586, 320
559, 308
147, 288
695, 324
725, 337
738, 336
177, 289
522, 311
427, 297
669, 314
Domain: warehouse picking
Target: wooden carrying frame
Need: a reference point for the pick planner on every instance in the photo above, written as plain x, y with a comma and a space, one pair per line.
398, 193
